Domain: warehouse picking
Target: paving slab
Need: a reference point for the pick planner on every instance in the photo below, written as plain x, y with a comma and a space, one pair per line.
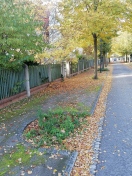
56, 162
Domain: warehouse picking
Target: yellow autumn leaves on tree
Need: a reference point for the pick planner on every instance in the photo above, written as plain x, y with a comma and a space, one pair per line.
92, 20
122, 44
83, 23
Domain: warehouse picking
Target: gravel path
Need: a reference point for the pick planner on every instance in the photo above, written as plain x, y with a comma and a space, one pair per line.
115, 158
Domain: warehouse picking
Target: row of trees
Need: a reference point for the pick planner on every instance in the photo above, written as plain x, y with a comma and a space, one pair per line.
89, 24
122, 45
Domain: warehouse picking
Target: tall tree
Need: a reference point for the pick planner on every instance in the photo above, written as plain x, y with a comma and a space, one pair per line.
105, 48
122, 45
20, 32
91, 20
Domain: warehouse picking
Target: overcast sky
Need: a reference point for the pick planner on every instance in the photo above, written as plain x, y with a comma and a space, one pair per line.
50, 1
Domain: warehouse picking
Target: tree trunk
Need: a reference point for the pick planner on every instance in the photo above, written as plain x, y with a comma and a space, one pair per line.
106, 60
129, 58
27, 81
126, 57
103, 62
95, 56
49, 72
67, 69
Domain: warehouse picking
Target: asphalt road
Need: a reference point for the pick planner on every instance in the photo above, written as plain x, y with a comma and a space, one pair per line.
115, 157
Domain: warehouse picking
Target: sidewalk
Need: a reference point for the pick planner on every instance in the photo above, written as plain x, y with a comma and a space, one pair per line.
53, 161
115, 156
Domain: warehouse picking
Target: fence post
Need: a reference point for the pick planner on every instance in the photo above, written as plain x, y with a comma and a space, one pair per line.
27, 80
88, 64
63, 69
49, 72
67, 69
83, 65
78, 67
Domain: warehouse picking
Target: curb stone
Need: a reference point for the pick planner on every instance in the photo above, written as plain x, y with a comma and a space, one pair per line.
70, 162
97, 141
96, 147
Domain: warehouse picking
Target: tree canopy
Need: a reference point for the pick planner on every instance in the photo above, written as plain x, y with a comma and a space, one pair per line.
122, 45
20, 32
88, 21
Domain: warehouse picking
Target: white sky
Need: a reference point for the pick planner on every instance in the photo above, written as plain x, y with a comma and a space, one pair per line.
50, 1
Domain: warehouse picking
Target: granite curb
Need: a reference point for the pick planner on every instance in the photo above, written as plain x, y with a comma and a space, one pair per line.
96, 148
97, 141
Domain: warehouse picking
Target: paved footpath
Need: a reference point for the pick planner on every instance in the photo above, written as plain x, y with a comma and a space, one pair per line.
115, 158
54, 162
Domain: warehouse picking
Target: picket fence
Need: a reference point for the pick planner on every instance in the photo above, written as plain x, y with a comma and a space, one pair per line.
13, 82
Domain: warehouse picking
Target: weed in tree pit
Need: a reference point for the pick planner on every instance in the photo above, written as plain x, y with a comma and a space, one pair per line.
53, 127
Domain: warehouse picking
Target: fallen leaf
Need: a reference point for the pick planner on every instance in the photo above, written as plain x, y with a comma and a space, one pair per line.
29, 172
49, 167
54, 171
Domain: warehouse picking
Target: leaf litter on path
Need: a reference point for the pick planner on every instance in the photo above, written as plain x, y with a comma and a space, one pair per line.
83, 137
83, 140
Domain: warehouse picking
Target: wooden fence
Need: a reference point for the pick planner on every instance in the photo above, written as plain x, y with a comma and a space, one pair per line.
13, 82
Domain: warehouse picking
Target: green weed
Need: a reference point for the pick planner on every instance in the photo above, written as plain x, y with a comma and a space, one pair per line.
19, 157
97, 88
31, 133
55, 126
93, 89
